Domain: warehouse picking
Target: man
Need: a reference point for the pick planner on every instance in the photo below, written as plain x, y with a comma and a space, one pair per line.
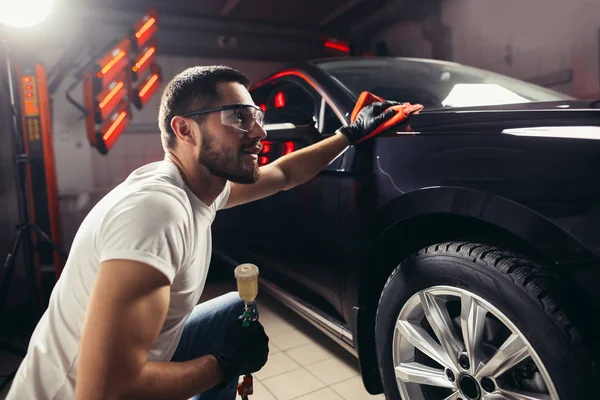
123, 320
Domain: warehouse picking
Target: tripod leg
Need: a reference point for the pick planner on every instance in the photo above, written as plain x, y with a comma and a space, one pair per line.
9, 265
47, 238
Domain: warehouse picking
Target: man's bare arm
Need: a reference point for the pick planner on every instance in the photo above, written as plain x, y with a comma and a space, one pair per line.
289, 171
127, 308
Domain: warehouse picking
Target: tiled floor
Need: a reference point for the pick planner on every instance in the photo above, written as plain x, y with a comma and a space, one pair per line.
303, 364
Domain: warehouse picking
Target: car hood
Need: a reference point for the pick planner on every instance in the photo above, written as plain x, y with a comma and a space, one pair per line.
498, 118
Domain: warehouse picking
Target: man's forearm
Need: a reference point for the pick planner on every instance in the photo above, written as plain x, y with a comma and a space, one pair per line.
302, 165
177, 380
160, 380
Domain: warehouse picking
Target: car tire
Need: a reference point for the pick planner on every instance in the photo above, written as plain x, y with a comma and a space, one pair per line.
526, 305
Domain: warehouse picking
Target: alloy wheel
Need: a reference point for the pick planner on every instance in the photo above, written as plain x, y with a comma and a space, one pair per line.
451, 344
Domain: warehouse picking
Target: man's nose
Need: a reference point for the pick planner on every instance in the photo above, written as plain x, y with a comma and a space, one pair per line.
258, 132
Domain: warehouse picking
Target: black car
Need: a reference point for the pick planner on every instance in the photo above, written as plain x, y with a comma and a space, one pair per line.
458, 254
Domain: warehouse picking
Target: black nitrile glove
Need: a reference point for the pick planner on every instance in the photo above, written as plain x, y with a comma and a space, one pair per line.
368, 119
244, 350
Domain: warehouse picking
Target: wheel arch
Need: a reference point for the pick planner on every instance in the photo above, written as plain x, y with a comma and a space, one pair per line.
435, 215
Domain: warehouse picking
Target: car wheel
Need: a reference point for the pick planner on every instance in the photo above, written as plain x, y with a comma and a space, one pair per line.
468, 321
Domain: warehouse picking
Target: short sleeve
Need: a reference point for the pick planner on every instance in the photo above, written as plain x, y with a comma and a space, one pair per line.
148, 228
223, 198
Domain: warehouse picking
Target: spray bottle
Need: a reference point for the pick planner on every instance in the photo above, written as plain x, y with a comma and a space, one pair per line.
247, 285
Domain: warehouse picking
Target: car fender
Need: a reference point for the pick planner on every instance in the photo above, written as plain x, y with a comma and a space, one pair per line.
554, 243
503, 216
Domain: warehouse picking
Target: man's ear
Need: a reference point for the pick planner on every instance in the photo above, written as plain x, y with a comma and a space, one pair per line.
183, 130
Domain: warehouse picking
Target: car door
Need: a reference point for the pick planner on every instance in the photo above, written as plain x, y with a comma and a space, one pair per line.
294, 230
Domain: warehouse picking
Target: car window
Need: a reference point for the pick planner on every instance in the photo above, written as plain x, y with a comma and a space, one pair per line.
298, 99
287, 97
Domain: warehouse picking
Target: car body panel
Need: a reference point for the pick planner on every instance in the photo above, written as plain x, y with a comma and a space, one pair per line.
511, 167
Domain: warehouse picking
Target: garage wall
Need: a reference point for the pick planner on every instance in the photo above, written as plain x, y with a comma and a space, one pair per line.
84, 175
8, 192
537, 40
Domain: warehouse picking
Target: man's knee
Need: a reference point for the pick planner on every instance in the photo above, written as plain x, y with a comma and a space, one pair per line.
233, 300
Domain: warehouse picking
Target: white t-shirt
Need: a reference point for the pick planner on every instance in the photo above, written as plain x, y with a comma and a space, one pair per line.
151, 217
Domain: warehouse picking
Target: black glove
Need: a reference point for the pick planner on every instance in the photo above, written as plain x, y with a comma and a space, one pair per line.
244, 350
368, 119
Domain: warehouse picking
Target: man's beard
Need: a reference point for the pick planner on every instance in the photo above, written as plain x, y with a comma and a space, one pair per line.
227, 165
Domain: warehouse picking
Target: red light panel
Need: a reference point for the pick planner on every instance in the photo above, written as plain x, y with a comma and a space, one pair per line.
114, 126
109, 99
279, 100
147, 87
145, 29
112, 64
144, 61
263, 160
263, 107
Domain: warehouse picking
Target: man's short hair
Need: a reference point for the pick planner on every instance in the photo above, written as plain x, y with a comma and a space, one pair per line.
194, 88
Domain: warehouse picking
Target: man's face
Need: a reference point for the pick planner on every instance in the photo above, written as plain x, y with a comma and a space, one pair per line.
228, 152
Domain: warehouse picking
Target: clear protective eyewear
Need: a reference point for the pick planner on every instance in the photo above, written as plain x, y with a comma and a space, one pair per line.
238, 116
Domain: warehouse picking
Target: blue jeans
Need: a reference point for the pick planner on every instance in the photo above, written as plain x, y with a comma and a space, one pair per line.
204, 332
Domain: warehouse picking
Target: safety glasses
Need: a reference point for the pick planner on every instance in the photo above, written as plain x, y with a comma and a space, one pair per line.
240, 116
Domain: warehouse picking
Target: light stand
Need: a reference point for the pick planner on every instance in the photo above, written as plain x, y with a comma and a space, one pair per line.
23, 239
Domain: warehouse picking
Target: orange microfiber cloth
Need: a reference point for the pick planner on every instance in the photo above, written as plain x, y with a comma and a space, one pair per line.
404, 111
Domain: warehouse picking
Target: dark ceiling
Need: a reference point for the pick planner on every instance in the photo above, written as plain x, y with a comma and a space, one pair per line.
270, 30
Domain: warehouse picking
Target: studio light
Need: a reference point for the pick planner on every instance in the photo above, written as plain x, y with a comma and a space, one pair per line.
24, 13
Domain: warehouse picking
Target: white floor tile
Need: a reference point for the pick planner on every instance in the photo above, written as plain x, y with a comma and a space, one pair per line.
274, 325
276, 364
308, 354
292, 384
354, 389
333, 371
322, 394
273, 349
261, 392
289, 339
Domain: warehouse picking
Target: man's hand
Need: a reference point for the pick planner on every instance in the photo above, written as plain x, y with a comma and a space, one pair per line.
244, 350
368, 119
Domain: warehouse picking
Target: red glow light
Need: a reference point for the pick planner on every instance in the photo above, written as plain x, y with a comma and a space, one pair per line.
279, 100
263, 160
114, 125
144, 58
145, 27
113, 62
266, 148
289, 148
337, 46
112, 94
263, 107
148, 85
